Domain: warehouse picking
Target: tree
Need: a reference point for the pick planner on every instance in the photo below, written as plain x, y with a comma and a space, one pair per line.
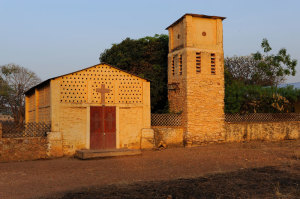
15, 80
4, 88
262, 68
241, 98
241, 68
251, 82
146, 57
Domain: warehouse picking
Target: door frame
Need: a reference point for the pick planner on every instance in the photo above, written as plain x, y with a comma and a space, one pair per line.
88, 130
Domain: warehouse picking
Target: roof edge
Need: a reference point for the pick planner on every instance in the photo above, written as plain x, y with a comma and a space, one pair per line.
195, 15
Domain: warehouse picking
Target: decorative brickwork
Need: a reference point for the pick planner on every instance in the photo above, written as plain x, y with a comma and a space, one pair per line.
33, 129
166, 119
81, 87
262, 117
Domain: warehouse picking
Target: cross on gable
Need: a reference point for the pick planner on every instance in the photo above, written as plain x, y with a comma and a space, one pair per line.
102, 91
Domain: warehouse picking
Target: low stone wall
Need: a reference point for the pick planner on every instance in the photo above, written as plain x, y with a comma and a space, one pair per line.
233, 132
269, 131
54, 143
147, 139
20, 149
168, 136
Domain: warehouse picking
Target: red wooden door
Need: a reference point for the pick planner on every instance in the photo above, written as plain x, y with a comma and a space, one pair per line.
103, 127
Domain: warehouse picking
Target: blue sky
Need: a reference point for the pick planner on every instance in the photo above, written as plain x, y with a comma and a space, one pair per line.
56, 37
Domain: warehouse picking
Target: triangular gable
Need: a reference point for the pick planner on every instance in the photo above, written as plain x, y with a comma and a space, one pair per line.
84, 86
48, 80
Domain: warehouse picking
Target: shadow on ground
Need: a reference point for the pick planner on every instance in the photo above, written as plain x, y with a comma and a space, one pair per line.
266, 182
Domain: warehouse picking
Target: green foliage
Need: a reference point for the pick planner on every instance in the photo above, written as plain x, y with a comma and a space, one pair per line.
262, 69
246, 77
274, 68
241, 98
251, 82
146, 57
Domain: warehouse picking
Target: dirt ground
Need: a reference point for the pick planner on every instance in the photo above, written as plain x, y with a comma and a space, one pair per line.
232, 170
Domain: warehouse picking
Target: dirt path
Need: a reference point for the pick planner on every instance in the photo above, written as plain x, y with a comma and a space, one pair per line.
45, 178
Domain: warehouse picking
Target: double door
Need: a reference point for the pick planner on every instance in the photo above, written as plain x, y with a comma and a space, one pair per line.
103, 127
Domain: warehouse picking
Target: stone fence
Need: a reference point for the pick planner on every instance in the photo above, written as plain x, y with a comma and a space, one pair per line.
23, 148
29, 148
267, 131
237, 128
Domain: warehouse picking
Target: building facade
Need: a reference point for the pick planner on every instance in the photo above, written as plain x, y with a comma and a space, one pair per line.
196, 76
100, 107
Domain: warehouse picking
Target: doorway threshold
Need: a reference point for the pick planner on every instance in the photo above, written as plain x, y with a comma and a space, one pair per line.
86, 154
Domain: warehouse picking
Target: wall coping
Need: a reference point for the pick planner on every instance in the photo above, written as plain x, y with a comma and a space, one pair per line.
261, 122
173, 127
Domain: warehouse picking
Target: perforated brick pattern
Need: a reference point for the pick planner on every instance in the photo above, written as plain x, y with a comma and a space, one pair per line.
83, 86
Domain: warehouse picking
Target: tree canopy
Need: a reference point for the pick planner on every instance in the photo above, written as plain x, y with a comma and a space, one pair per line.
251, 82
14, 81
146, 57
262, 69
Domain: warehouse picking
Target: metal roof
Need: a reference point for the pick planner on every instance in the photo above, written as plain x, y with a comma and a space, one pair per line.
195, 15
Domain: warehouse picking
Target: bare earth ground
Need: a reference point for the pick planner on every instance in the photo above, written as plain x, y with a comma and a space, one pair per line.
232, 170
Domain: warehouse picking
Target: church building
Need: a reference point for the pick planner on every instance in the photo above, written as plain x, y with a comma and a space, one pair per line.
99, 107
103, 107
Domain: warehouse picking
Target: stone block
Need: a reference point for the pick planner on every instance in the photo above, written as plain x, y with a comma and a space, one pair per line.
168, 135
54, 136
54, 146
147, 138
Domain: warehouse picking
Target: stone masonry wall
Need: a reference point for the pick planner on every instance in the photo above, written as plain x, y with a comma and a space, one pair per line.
20, 149
268, 131
205, 100
168, 136
177, 95
200, 93
233, 132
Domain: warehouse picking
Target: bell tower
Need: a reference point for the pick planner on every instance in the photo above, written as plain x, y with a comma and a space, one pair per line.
196, 76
